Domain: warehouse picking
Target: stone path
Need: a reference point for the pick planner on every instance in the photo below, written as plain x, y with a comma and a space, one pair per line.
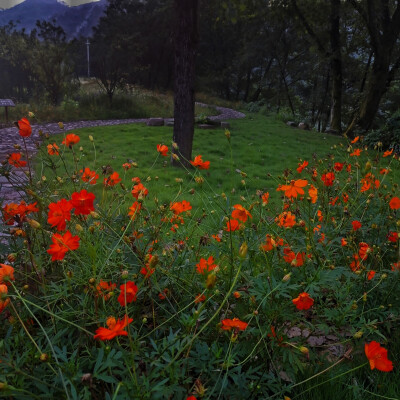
10, 139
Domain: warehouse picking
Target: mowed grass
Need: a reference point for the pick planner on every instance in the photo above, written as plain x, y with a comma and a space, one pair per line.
260, 150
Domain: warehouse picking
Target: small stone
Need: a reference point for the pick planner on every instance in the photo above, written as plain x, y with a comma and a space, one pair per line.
304, 126
155, 122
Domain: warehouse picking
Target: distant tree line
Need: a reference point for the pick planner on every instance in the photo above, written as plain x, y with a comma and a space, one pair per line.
333, 62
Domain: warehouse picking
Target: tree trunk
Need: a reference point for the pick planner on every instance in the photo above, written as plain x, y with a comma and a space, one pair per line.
184, 75
336, 68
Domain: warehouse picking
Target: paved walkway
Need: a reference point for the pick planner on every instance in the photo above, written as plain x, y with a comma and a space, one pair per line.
9, 138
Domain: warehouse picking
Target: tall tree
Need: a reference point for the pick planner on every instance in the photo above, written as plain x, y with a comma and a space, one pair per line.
186, 38
382, 21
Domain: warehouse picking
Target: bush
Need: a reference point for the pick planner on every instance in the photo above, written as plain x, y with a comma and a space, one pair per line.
121, 296
387, 137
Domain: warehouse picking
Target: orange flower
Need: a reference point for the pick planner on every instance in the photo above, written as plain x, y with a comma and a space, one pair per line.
134, 209
265, 198
3, 293
82, 202
370, 275
387, 153
235, 323
199, 163
139, 190
128, 293
206, 265
355, 264
328, 178
313, 193
24, 126
394, 204
384, 171
112, 180
345, 197
62, 244
355, 140
14, 212
180, 207
286, 219
115, 328
395, 266
377, 357
240, 213
232, 225
199, 298
105, 289
343, 242
236, 295
89, 176
356, 153
126, 166
320, 216
162, 149
295, 188
59, 213
270, 243
338, 166
364, 250
303, 301
393, 237
15, 160
356, 225
136, 180
302, 166
71, 139
6, 274
52, 149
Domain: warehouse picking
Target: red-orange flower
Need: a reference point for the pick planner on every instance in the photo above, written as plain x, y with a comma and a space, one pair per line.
286, 219
199, 163
303, 301
15, 160
112, 180
338, 166
294, 188
162, 149
313, 193
387, 153
82, 202
89, 176
265, 198
24, 126
355, 140
356, 225
6, 273
105, 289
128, 293
235, 323
371, 274
3, 293
53, 149
71, 139
134, 209
343, 242
377, 357
394, 204
200, 298
355, 264
115, 328
59, 213
356, 153
206, 265
328, 178
62, 244
139, 190
180, 206
240, 213
302, 166
232, 225
126, 166
393, 237
14, 212
270, 243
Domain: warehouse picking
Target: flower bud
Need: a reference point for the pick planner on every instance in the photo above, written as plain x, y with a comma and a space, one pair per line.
228, 134
286, 277
91, 138
358, 335
79, 228
243, 250
33, 223
304, 350
12, 257
44, 357
210, 282
61, 125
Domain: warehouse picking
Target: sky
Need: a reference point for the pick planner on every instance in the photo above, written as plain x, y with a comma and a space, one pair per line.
4, 4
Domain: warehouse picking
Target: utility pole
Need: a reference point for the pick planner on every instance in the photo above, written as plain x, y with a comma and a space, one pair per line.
88, 57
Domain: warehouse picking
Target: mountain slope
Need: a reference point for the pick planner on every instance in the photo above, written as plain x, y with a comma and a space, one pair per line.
76, 21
